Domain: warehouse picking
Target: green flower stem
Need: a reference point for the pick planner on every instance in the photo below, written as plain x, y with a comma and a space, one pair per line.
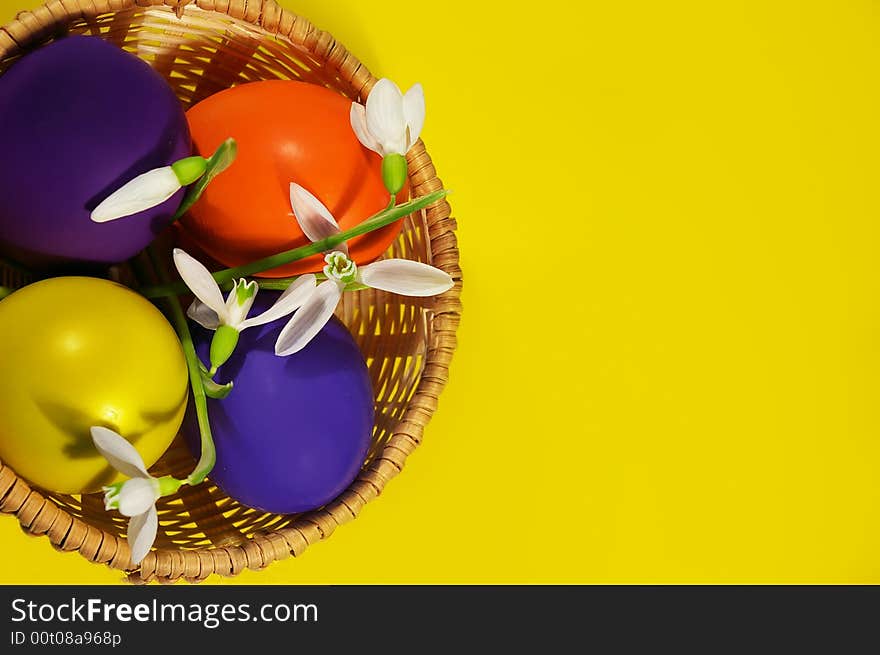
274, 283
201, 173
169, 485
209, 453
281, 283
222, 346
394, 172
380, 220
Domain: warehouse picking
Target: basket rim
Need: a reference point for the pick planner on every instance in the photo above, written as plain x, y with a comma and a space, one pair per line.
39, 515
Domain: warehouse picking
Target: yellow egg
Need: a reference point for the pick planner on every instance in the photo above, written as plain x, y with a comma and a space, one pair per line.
77, 352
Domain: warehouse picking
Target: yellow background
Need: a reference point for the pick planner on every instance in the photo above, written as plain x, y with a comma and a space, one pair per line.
670, 353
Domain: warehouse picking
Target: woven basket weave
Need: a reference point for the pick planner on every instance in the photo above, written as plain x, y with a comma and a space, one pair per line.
202, 48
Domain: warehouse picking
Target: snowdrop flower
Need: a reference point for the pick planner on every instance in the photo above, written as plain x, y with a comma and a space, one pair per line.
229, 317
390, 124
149, 189
136, 497
401, 276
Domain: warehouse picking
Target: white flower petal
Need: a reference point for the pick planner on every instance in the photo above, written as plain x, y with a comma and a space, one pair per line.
309, 319
406, 277
293, 298
147, 190
414, 112
313, 217
119, 452
142, 531
358, 118
385, 119
137, 495
203, 315
200, 282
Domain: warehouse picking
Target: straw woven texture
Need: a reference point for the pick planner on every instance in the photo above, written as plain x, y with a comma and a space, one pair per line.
202, 48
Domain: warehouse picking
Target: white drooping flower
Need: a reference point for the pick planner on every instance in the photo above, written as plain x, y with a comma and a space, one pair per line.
136, 497
229, 317
390, 125
392, 121
149, 189
402, 276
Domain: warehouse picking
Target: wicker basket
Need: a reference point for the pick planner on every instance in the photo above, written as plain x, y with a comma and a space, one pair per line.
202, 48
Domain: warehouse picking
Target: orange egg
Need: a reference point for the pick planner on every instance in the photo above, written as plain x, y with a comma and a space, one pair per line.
286, 132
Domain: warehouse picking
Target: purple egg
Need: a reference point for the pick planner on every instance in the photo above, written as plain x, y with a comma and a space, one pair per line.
79, 118
295, 430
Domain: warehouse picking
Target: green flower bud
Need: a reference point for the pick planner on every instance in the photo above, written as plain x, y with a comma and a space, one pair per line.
190, 169
222, 346
394, 172
168, 485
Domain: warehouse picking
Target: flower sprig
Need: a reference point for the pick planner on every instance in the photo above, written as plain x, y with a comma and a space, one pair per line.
390, 124
230, 317
136, 497
157, 185
311, 305
401, 276
377, 221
